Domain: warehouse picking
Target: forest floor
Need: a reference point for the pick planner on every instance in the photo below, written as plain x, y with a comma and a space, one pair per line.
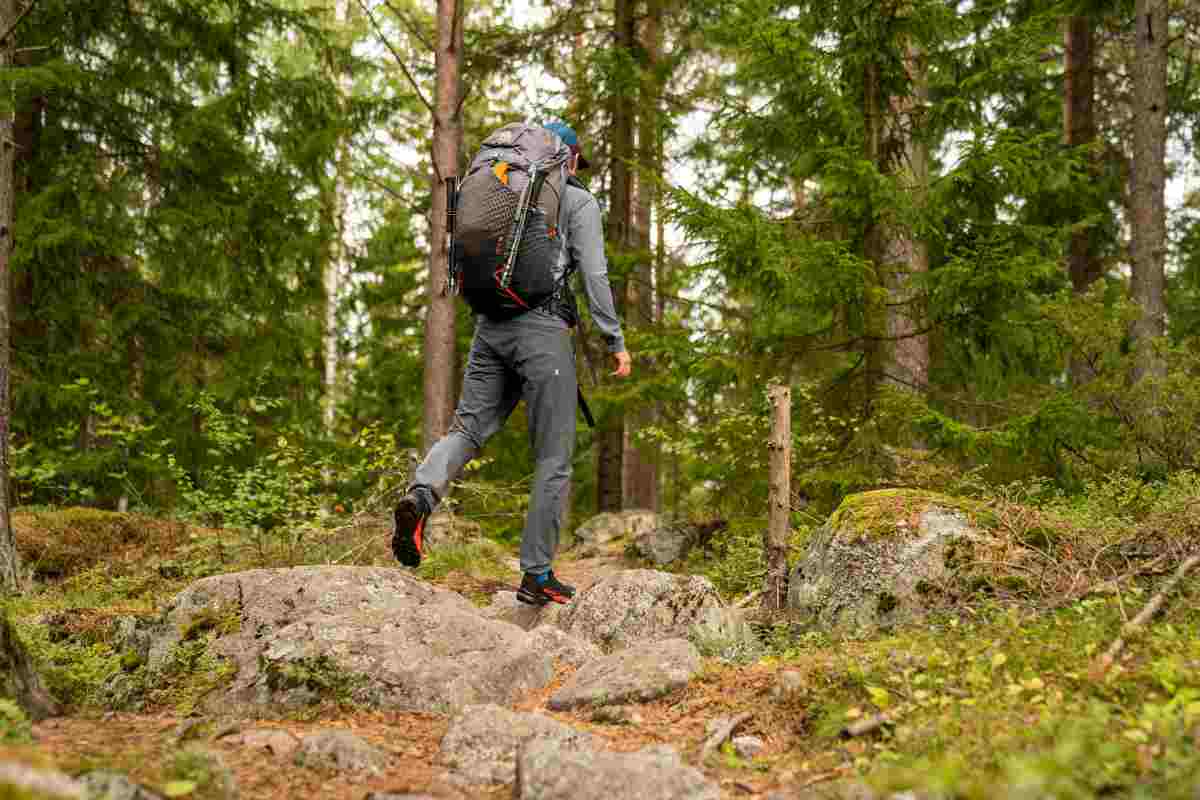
997, 699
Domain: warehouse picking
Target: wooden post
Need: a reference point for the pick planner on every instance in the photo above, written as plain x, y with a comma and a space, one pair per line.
775, 539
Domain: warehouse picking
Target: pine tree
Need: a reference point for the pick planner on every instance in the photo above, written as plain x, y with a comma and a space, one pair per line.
1147, 192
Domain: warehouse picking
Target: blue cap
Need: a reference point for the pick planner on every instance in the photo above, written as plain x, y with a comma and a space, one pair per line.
570, 139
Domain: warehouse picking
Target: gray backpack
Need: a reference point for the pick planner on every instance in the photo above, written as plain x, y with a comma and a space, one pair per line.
506, 241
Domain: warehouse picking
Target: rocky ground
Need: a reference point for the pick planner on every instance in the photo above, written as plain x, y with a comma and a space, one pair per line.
367, 681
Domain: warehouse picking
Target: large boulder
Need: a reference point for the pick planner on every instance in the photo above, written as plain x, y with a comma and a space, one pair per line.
546, 770
374, 635
884, 557
610, 527
672, 540
638, 605
638, 674
482, 743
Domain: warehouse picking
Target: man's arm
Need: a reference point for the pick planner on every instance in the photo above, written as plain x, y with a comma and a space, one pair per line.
586, 241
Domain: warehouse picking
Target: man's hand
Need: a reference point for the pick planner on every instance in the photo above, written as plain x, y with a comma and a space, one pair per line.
624, 364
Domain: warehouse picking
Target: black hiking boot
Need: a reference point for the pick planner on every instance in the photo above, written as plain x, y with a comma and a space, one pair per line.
408, 525
537, 590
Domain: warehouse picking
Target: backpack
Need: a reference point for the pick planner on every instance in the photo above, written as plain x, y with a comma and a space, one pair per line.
505, 240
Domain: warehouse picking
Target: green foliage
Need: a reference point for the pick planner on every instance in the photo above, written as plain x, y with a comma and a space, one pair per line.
482, 558
15, 727
199, 773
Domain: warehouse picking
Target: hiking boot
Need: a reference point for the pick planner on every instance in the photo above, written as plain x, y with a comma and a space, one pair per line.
537, 590
408, 524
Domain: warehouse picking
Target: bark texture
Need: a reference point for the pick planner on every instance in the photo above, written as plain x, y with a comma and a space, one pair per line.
1147, 195
447, 147
10, 571
898, 350
610, 438
640, 477
1079, 129
775, 539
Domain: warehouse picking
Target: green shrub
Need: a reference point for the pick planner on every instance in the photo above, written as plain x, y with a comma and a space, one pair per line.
14, 725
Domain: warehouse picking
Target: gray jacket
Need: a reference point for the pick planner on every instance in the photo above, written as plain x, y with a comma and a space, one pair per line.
584, 249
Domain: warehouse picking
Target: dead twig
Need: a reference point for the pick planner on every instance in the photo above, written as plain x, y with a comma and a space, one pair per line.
721, 734
867, 725
1135, 625
1108, 585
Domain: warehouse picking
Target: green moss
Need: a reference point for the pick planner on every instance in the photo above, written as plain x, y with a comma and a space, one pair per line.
321, 675
881, 512
191, 672
223, 620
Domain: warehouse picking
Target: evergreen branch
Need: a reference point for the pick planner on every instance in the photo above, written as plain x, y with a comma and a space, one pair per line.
399, 60
410, 25
381, 184
16, 22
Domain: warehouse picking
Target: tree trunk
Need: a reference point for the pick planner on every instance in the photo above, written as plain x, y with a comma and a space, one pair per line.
905, 257
775, 538
10, 569
447, 147
18, 677
610, 438
1079, 129
640, 477
1149, 222
336, 261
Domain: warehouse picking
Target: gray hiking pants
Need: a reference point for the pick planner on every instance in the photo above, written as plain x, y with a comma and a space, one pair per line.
531, 357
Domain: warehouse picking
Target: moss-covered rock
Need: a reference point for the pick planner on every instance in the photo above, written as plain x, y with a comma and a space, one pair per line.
888, 556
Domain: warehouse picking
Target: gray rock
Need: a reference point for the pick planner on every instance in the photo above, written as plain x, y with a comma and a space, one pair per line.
747, 746
639, 605
131, 636
482, 742
377, 636
341, 751
615, 526
637, 674
668, 542
278, 742
881, 557
103, 785
564, 648
548, 771
725, 633
505, 607
49, 783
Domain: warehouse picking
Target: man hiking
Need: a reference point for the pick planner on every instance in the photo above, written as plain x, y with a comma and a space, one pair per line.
525, 350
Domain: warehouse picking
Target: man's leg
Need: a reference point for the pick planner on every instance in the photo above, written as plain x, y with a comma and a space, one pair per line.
490, 392
546, 362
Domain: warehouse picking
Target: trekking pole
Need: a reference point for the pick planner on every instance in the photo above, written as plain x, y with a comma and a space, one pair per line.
452, 285
532, 189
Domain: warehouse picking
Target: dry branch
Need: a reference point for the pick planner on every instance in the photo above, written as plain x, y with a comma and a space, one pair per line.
721, 734
1135, 625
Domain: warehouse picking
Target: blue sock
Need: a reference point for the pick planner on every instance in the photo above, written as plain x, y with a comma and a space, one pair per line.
545, 576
